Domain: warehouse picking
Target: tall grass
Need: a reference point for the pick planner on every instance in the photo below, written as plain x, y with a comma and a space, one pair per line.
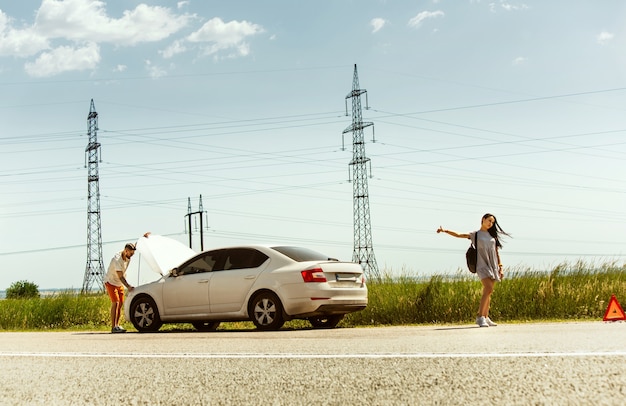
64, 310
569, 292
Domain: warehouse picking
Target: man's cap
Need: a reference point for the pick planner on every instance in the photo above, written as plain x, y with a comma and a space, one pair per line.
130, 246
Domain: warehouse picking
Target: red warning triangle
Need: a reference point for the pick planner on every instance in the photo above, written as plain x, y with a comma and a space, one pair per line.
614, 311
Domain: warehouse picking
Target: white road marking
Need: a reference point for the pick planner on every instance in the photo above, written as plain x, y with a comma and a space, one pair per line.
310, 356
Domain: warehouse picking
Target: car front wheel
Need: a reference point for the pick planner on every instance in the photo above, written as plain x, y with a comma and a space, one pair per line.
326, 321
266, 311
145, 315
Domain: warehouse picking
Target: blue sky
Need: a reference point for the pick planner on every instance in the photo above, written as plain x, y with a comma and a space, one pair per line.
509, 107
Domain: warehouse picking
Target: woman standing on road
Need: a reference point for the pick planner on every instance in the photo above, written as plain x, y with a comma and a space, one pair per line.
488, 266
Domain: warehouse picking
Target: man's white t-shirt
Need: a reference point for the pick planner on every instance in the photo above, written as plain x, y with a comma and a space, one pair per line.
117, 264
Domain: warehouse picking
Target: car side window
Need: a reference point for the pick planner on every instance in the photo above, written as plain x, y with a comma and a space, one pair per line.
205, 263
242, 258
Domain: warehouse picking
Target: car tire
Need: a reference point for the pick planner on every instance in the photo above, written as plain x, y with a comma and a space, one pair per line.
205, 325
266, 311
144, 315
326, 321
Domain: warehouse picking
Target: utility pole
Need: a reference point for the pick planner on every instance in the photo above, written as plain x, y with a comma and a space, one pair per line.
94, 270
200, 212
363, 252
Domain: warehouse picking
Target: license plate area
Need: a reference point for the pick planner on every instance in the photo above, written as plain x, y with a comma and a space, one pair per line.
346, 277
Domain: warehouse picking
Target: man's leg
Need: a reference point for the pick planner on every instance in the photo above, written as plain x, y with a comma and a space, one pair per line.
114, 312
116, 294
118, 313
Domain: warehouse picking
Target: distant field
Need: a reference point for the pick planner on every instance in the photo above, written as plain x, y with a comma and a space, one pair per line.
42, 292
569, 292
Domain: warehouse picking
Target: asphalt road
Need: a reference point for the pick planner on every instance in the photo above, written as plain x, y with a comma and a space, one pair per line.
540, 364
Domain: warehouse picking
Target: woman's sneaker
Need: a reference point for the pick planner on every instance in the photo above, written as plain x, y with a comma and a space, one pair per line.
118, 329
490, 323
482, 321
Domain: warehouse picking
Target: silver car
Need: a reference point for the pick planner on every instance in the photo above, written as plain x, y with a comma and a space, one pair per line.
267, 285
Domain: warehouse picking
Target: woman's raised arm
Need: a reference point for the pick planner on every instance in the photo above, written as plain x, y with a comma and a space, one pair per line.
452, 233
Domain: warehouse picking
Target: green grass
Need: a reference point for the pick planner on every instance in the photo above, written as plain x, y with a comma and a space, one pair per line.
64, 310
569, 292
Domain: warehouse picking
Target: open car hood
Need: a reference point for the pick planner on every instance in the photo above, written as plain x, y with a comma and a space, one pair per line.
162, 253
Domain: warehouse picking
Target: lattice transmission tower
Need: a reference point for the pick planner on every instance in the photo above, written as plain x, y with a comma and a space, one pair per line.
363, 248
94, 270
202, 214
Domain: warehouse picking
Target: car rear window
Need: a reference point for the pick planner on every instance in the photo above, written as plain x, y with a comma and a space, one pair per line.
299, 254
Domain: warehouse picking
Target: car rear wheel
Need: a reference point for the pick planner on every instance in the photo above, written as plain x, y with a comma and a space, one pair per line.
326, 321
266, 311
145, 315
206, 325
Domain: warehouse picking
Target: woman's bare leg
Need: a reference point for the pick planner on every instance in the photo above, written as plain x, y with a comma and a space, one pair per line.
485, 300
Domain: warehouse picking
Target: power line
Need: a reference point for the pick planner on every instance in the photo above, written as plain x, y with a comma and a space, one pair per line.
170, 76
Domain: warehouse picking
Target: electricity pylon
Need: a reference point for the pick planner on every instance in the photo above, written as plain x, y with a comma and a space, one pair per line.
363, 248
94, 270
200, 213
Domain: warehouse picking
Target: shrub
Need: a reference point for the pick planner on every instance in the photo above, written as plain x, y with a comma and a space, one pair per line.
22, 290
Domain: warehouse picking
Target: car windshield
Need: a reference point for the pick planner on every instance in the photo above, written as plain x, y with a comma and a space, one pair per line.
299, 254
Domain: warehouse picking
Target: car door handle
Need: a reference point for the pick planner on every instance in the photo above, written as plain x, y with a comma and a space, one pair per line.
249, 277
203, 281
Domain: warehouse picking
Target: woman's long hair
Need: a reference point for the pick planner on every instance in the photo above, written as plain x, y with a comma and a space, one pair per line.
496, 230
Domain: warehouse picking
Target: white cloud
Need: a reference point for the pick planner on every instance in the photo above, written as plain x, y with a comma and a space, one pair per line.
604, 37
377, 24
80, 22
64, 59
87, 20
20, 43
513, 7
4, 21
177, 47
493, 6
424, 15
216, 35
120, 68
155, 71
519, 60
61, 28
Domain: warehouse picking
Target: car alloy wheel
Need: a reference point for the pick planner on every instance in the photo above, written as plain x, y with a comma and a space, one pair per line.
266, 311
145, 315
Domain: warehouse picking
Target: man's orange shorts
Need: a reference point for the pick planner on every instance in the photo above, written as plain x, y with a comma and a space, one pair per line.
116, 293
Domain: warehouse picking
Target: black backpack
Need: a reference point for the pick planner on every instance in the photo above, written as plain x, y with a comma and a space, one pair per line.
471, 256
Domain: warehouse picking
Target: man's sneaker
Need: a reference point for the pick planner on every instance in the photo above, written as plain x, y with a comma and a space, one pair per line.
482, 322
117, 329
123, 330
490, 323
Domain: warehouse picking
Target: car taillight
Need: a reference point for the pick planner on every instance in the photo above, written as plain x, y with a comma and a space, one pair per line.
313, 275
